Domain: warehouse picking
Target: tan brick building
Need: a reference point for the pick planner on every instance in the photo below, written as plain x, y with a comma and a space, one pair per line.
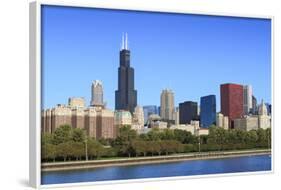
98, 122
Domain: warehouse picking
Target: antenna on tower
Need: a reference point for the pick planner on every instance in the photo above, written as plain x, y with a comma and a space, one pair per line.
126, 41
122, 45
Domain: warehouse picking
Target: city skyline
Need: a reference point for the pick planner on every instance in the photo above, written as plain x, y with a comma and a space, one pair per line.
96, 60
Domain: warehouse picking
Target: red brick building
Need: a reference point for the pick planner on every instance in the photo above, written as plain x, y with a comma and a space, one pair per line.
231, 101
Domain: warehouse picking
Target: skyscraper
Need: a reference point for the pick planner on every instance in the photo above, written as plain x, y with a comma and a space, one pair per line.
254, 109
126, 95
188, 111
97, 94
231, 101
167, 104
247, 99
207, 111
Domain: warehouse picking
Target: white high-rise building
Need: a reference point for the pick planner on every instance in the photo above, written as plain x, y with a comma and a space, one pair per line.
247, 99
167, 104
97, 94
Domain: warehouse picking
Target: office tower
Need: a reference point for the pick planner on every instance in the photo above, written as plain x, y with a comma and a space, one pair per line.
126, 95
247, 99
254, 109
148, 110
97, 93
188, 111
207, 111
167, 104
231, 101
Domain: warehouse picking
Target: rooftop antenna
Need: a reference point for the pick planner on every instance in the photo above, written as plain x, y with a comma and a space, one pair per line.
122, 45
126, 41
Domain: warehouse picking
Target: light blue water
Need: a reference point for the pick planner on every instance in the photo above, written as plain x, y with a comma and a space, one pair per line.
183, 168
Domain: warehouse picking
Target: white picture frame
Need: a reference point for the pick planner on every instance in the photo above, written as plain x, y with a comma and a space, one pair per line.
35, 89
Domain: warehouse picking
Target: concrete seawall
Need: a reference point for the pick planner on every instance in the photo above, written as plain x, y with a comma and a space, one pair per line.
58, 166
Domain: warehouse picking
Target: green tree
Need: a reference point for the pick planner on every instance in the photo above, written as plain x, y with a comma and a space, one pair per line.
139, 147
95, 149
268, 137
46, 138
64, 150
218, 136
78, 135
77, 150
166, 134
262, 141
48, 151
251, 138
154, 134
62, 134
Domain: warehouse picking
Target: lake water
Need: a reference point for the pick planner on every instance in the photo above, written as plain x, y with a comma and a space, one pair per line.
182, 168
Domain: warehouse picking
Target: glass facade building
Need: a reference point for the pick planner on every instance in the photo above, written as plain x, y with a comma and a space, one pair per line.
207, 111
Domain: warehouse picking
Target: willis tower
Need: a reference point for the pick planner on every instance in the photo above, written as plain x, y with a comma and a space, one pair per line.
126, 95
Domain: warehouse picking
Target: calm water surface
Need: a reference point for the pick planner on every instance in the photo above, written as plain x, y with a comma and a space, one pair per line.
183, 168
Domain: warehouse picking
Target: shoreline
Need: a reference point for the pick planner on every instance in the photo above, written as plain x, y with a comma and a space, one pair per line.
78, 165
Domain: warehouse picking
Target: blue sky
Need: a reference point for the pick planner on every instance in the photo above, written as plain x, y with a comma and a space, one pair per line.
191, 54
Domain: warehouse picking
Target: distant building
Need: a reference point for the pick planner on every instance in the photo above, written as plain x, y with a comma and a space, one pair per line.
167, 104
208, 111
247, 99
264, 118
122, 118
254, 122
176, 116
222, 121
60, 115
97, 94
268, 107
76, 102
148, 110
138, 118
231, 101
187, 112
126, 95
254, 110
247, 123
193, 128
77, 117
155, 121
97, 122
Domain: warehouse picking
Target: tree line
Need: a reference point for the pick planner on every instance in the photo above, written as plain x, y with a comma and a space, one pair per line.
67, 143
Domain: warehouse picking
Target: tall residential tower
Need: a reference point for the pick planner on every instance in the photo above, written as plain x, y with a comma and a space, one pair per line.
126, 95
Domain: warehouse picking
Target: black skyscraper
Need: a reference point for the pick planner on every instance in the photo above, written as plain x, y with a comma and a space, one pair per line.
126, 95
188, 111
